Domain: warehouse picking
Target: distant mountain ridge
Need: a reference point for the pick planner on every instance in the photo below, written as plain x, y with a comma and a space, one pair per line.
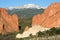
27, 10
26, 6
24, 13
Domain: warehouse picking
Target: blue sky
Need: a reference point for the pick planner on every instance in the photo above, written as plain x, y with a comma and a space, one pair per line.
13, 3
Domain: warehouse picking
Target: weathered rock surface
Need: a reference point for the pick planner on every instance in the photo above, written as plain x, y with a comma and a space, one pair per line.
26, 28
36, 20
50, 18
8, 23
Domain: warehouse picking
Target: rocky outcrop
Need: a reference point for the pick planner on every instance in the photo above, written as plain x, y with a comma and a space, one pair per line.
8, 23
26, 28
36, 20
50, 18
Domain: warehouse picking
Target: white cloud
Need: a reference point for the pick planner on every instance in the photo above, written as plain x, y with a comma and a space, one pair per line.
26, 6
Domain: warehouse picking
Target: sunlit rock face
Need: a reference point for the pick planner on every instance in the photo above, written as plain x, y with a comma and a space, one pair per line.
8, 23
36, 20
50, 18
26, 28
33, 30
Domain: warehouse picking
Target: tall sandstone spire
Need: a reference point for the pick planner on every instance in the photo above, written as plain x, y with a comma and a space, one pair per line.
8, 23
50, 18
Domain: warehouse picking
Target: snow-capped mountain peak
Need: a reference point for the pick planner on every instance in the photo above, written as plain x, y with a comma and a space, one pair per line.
28, 6
25, 6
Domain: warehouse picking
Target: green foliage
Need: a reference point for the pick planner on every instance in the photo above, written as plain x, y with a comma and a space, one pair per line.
12, 36
31, 35
9, 36
40, 34
58, 31
24, 22
51, 32
21, 39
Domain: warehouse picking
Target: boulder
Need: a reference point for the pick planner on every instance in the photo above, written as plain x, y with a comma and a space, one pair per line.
26, 28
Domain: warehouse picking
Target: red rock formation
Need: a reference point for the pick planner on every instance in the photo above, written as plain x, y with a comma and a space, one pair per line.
36, 20
8, 23
26, 28
50, 17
